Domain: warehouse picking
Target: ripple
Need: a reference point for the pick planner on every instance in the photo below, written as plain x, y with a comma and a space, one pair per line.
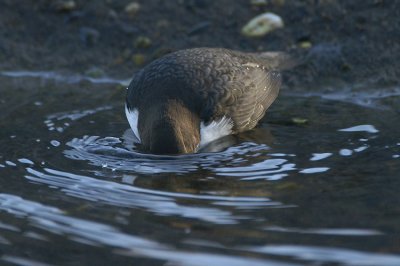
25, 161
360, 128
345, 152
269, 169
22, 261
320, 156
326, 231
61, 121
314, 170
110, 153
158, 202
54, 220
329, 255
365, 98
62, 77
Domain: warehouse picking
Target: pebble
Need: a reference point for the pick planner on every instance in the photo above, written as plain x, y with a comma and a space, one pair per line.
94, 72
299, 120
305, 44
132, 8
142, 42
65, 6
262, 24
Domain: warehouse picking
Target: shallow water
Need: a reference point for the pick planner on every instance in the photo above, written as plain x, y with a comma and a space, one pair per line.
315, 184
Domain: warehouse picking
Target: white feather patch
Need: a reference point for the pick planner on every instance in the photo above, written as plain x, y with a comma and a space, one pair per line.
215, 130
133, 118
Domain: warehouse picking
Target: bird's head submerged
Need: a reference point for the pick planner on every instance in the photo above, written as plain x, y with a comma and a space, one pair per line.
169, 128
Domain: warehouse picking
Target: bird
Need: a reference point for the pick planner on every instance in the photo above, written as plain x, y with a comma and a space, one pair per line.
188, 98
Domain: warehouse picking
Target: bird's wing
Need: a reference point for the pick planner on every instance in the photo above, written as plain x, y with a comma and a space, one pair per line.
246, 97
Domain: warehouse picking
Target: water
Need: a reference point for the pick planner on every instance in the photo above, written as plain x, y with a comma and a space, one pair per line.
315, 184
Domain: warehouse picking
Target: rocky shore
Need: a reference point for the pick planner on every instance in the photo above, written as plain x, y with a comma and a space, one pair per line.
338, 42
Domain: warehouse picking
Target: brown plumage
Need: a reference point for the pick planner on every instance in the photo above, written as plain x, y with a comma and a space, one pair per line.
176, 93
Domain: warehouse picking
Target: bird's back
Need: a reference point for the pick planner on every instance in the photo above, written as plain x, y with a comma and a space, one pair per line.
212, 82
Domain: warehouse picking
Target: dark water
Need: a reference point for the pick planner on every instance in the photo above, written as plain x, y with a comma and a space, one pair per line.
317, 183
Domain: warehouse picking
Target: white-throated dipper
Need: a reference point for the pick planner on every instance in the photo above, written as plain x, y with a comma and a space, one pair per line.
191, 97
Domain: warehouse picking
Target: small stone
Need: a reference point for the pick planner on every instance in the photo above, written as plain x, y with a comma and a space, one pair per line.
262, 24
138, 59
142, 42
65, 6
132, 8
299, 121
94, 72
305, 44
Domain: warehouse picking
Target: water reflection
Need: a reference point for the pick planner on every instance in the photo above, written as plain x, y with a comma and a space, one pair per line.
321, 193
110, 153
56, 221
155, 201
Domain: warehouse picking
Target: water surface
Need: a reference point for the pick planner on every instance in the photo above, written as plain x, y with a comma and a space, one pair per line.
316, 183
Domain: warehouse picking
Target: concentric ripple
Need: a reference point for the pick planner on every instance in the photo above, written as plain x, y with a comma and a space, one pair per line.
154, 201
110, 153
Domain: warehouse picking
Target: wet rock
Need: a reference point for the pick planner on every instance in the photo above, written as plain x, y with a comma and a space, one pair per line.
132, 8
142, 42
89, 36
262, 24
65, 6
